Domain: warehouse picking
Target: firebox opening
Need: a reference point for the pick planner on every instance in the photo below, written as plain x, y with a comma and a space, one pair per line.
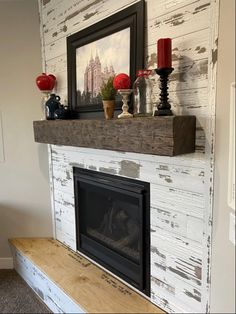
113, 224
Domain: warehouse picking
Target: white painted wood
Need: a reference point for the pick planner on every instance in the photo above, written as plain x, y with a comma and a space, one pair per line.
2, 156
182, 186
184, 20
209, 151
51, 190
77, 15
49, 292
163, 6
177, 211
6, 263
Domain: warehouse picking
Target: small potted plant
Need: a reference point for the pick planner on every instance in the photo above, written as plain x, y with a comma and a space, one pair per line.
108, 93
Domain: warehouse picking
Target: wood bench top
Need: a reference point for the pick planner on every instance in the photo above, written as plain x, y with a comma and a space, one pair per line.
95, 290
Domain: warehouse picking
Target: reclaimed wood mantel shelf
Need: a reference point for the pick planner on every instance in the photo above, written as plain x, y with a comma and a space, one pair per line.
166, 136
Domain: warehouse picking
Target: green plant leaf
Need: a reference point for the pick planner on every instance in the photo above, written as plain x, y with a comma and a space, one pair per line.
108, 92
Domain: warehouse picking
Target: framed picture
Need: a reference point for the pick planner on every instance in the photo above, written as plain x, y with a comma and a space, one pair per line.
112, 46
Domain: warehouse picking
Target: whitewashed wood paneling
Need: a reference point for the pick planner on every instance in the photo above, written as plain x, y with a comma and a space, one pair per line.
48, 292
181, 187
62, 19
187, 19
177, 211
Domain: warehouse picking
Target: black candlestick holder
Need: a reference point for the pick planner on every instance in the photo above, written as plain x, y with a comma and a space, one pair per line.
164, 107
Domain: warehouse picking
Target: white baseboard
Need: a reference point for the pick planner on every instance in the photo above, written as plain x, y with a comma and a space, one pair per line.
6, 263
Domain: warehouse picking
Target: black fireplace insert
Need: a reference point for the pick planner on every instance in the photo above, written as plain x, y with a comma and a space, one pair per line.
113, 224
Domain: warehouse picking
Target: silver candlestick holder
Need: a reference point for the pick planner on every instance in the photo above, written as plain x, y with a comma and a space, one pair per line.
125, 93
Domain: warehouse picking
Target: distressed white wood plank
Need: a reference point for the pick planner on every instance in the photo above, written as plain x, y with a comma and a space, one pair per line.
49, 4
51, 295
180, 261
65, 218
173, 176
190, 46
187, 75
177, 274
161, 7
186, 102
64, 206
57, 64
63, 200
69, 13
165, 301
210, 152
78, 15
52, 191
61, 181
64, 236
56, 49
194, 160
177, 224
171, 303
188, 19
175, 200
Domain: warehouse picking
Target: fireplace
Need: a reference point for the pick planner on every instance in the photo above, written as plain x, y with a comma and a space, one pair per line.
113, 224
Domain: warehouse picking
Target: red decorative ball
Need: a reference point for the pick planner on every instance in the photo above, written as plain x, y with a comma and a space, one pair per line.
121, 81
46, 82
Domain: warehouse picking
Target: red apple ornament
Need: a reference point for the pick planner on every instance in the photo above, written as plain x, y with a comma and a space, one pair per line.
121, 81
46, 82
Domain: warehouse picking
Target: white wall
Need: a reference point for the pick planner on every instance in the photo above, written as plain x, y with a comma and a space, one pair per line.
223, 253
24, 183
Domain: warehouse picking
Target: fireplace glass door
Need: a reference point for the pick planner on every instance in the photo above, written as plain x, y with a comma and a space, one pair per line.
112, 217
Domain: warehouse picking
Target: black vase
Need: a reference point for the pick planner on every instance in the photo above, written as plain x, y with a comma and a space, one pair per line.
51, 105
62, 112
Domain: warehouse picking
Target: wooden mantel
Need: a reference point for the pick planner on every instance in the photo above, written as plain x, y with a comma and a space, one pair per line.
166, 136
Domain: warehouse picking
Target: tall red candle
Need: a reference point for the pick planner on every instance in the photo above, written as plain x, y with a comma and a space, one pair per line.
164, 53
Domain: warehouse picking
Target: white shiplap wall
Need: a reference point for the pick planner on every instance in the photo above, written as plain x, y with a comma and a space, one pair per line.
177, 216
181, 187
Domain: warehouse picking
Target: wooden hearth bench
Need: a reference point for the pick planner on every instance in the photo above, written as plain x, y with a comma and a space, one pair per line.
69, 283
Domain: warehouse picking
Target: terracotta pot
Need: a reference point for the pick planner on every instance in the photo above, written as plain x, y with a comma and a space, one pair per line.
108, 106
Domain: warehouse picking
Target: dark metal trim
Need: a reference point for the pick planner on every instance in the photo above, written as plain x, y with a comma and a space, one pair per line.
135, 188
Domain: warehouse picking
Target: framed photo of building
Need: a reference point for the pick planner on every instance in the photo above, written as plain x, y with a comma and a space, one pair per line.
112, 46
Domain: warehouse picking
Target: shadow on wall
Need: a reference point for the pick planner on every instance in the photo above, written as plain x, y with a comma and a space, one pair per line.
187, 89
43, 160
189, 77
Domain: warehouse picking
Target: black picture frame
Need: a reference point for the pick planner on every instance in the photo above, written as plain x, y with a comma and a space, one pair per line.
132, 17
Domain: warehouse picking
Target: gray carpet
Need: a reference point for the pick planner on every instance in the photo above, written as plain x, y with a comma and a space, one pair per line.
16, 296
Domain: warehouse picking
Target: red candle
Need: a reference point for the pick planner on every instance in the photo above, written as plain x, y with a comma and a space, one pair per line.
164, 53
